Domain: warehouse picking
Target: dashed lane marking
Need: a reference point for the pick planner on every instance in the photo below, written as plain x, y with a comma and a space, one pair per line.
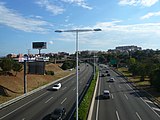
138, 116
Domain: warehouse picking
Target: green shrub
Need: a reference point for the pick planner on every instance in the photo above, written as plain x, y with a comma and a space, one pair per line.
49, 72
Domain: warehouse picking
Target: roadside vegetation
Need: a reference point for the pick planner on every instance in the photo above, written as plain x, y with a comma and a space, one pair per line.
142, 67
8, 64
86, 102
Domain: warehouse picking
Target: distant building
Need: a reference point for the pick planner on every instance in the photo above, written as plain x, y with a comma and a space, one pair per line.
128, 48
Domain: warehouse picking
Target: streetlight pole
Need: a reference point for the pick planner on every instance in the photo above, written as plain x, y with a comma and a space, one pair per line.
77, 74
77, 31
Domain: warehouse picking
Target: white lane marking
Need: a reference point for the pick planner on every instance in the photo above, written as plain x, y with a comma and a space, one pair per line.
112, 96
138, 116
49, 100
109, 86
157, 109
130, 87
147, 104
63, 101
22, 106
119, 86
74, 89
23, 118
126, 96
148, 101
98, 100
64, 88
118, 118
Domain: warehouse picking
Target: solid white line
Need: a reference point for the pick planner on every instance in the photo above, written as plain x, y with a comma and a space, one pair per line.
117, 115
22, 105
126, 96
138, 116
147, 105
98, 100
49, 100
64, 100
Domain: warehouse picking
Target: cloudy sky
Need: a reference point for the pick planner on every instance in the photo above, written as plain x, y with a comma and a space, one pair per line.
123, 22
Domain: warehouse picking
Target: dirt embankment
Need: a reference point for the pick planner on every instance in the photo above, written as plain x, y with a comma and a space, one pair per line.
12, 86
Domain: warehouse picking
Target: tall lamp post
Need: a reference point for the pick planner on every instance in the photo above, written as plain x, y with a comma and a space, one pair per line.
77, 31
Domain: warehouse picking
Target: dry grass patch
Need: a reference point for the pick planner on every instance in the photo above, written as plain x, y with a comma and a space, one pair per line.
13, 86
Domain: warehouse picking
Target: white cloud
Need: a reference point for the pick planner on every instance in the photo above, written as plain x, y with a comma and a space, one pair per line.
81, 3
114, 33
151, 14
145, 3
50, 42
54, 9
15, 20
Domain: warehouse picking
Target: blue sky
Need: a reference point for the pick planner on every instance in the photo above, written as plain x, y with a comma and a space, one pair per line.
123, 22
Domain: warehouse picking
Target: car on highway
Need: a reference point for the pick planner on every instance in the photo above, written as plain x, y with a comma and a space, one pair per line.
106, 94
58, 114
102, 75
57, 86
111, 80
108, 74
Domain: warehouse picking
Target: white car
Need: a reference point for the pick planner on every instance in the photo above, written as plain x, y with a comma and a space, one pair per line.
57, 86
106, 94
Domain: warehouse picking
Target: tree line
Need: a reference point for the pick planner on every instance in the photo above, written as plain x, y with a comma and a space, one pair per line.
143, 63
8, 64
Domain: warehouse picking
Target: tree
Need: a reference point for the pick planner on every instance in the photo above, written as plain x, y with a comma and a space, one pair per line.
17, 67
68, 65
154, 79
6, 65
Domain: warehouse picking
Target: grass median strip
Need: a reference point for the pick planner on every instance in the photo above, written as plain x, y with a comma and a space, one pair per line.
85, 104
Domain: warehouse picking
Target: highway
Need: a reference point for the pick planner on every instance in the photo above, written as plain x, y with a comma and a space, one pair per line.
39, 105
126, 102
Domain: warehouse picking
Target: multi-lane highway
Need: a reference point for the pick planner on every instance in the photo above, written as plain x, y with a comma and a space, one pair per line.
39, 105
126, 102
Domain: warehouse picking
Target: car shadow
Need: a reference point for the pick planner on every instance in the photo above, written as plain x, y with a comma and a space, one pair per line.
47, 117
50, 89
99, 97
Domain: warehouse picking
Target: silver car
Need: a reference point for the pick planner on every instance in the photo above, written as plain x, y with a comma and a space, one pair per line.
106, 94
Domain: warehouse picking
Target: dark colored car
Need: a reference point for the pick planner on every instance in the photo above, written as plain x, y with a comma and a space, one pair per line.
108, 74
58, 114
102, 75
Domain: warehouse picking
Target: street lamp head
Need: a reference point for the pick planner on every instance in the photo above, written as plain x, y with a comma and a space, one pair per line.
98, 29
59, 31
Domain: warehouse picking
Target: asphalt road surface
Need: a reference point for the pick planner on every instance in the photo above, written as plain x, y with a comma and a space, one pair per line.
126, 102
39, 105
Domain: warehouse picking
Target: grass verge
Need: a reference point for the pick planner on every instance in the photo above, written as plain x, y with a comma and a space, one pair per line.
86, 102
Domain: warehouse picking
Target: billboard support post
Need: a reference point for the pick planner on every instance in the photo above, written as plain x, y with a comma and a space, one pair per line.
25, 78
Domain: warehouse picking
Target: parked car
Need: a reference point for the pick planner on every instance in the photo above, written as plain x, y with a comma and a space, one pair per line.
58, 114
106, 94
57, 86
